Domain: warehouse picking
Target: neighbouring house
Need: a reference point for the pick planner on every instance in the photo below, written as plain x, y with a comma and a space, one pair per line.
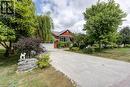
64, 36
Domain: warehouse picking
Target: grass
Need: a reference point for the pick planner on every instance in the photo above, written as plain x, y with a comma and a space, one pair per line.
122, 54
115, 53
48, 77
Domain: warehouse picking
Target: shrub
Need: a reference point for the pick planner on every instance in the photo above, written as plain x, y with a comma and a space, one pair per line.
128, 45
75, 45
88, 50
76, 49
70, 46
27, 45
44, 61
82, 45
52, 39
69, 43
62, 44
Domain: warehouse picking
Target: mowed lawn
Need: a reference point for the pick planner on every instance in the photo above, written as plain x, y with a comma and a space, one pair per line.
48, 77
115, 53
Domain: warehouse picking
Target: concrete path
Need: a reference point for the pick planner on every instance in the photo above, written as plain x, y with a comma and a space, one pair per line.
90, 71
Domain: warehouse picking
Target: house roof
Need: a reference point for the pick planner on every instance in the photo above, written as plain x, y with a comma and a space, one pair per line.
55, 33
59, 33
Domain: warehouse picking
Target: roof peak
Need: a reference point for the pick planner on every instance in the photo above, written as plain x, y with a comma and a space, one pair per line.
57, 33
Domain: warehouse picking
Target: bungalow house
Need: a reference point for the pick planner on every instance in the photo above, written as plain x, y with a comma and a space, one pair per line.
63, 36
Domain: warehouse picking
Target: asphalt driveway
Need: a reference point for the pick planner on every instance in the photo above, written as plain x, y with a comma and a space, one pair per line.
90, 71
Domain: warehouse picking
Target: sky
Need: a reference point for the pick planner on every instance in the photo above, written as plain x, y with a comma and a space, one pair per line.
68, 14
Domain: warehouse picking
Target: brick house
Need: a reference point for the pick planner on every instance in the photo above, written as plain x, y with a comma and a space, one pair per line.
63, 36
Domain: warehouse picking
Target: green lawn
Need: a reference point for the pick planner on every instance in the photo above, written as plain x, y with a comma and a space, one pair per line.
115, 53
48, 77
122, 54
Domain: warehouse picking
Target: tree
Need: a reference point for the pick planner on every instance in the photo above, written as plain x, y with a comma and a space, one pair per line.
45, 25
81, 41
78, 39
6, 35
102, 21
23, 21
125, 36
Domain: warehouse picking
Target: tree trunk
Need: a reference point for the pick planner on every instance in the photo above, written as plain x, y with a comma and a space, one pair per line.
11, 48
100, 45
124, 45
7, 52
29, 55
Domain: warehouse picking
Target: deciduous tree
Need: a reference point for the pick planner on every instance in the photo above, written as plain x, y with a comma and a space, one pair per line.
6, 35
45, 26
102, 21
125, 35
22, 21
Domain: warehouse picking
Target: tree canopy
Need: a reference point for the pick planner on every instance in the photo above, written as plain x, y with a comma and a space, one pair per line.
23, 20
125, 36
102, 21
21, 23
45, 26
6, 34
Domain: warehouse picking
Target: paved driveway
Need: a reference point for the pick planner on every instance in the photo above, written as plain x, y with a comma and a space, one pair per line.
91, 71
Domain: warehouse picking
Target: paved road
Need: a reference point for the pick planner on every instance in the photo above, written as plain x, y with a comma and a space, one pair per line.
91, 71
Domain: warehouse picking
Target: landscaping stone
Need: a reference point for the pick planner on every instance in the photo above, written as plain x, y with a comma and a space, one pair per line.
27, 64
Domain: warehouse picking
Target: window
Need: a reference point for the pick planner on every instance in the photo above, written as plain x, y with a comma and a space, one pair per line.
62, 39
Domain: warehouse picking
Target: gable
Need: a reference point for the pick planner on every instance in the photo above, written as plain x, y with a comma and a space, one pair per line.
67, 32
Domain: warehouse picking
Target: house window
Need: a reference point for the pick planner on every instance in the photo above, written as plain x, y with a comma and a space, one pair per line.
62, 39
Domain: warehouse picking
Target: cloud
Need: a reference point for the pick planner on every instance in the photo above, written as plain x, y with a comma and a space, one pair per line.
77, 27
68, 13
125, 6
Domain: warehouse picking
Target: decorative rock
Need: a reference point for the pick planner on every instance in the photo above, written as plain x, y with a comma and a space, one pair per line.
33, 52
27, 64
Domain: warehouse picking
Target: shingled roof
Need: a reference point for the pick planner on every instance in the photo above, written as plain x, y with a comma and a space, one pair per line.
59, 33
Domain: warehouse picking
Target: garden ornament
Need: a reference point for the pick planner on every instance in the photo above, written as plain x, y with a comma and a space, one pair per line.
22, 56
